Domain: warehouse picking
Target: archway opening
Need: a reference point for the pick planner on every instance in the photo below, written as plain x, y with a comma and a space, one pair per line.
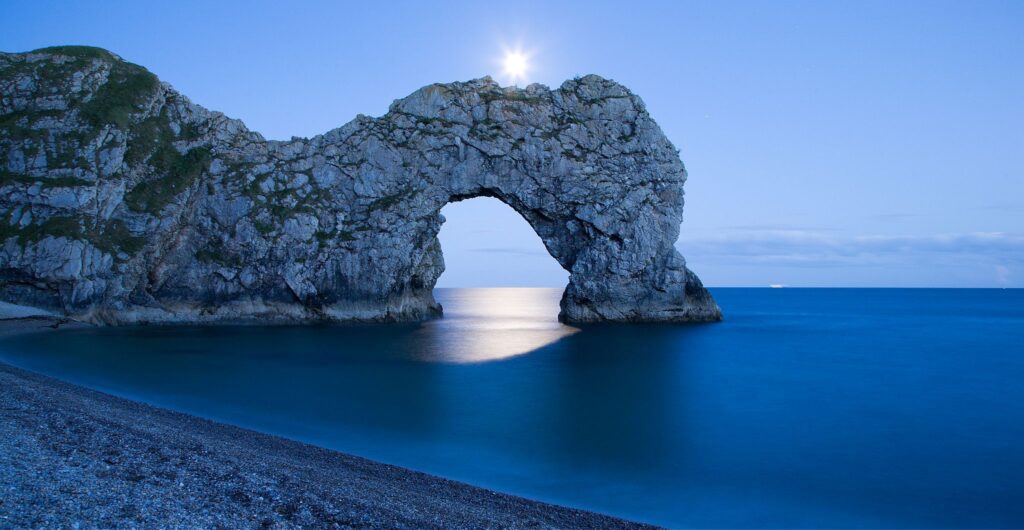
500, 290
487, 244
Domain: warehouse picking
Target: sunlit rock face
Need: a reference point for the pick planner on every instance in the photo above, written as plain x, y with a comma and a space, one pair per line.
123, 202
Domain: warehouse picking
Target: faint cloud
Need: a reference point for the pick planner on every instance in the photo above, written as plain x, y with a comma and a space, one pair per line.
1010, 207
1002, 275
893, 216
481, 231
510, 250
809, 248
778, 228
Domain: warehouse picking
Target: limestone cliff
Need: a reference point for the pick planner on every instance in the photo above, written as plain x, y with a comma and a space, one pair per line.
121, 201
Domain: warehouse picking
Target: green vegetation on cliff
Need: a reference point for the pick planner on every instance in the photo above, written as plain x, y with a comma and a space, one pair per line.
7, 178
179, 172
127, 88
110, 237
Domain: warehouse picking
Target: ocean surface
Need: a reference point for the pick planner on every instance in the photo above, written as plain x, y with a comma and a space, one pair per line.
804, 408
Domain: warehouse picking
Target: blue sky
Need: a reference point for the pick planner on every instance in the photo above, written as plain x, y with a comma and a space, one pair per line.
828, 143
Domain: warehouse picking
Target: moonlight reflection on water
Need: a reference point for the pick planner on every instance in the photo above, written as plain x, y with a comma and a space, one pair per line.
804, 408
492, 324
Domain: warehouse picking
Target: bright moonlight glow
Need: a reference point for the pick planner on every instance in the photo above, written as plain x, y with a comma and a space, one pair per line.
516, 65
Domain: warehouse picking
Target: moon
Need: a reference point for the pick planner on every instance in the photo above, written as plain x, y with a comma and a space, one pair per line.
516, 65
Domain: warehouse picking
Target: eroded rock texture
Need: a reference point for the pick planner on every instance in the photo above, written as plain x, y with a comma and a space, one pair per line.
122, 201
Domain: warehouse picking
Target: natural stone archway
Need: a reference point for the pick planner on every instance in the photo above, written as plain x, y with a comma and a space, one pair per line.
125, 202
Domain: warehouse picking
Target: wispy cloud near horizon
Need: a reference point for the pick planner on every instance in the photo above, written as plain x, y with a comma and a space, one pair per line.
524, 251
749, 256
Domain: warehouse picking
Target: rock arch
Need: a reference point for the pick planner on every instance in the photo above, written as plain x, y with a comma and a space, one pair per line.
175, 213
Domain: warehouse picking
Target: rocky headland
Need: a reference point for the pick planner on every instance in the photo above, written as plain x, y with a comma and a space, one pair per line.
121, 201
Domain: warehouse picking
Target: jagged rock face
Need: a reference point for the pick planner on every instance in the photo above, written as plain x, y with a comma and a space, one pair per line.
122, 201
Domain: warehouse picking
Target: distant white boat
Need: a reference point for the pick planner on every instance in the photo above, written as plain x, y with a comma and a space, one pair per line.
776, 286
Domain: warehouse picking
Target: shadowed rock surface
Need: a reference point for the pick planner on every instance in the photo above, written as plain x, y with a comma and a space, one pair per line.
122, 201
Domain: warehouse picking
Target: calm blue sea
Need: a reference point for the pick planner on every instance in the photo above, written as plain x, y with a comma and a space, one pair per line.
804, 408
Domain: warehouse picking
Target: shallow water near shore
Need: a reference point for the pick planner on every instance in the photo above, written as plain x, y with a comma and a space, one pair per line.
805, 407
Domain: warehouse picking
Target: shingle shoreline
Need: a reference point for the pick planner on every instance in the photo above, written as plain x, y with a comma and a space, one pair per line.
75, 457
